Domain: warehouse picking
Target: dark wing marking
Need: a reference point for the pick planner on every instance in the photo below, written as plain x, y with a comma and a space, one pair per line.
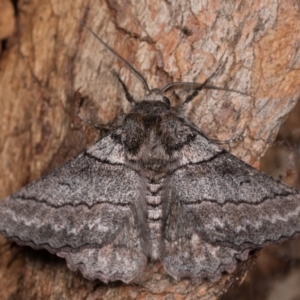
87, 211
221, 209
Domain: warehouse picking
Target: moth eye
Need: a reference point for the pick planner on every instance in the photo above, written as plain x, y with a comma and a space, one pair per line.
167, 101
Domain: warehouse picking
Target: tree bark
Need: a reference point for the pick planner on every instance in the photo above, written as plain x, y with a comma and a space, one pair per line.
52, 70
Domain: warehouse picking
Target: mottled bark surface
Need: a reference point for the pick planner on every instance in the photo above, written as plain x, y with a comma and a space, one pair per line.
50, 57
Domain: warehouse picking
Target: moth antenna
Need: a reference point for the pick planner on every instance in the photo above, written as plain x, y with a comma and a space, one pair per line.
213, 87
118, 56
191, 85
198, 87
203, 86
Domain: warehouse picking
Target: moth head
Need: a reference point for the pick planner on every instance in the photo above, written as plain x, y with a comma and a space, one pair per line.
156, 95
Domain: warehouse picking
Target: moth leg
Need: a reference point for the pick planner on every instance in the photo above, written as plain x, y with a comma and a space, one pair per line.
106, 127
80, 100
116, 120
128, 96
190, 97
238, 138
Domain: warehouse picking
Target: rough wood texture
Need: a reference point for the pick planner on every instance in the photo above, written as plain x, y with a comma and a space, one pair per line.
255, 44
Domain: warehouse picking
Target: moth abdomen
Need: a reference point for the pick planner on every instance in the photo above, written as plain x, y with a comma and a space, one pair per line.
155, 218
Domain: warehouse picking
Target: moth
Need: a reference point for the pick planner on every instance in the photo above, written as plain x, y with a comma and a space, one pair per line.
155, 187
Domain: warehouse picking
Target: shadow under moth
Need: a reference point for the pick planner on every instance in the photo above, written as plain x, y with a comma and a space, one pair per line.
154, 187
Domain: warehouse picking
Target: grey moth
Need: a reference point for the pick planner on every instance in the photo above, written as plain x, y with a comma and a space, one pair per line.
155, 187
